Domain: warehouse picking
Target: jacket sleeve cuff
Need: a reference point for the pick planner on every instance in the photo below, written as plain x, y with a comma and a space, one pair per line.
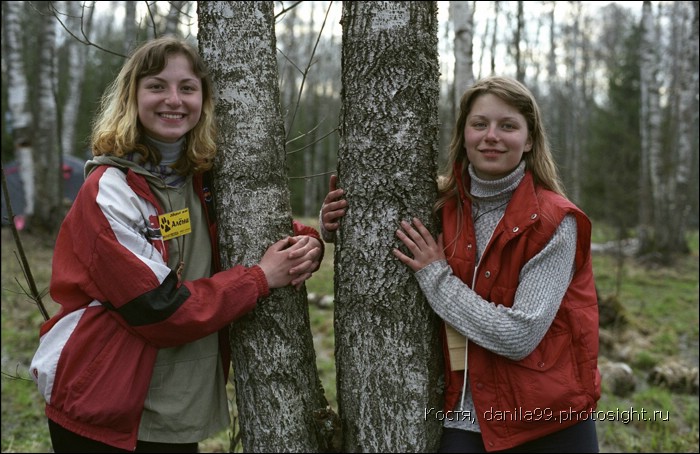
301, 229
260, 281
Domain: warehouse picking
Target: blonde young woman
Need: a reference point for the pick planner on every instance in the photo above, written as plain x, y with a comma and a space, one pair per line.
137, 357
511, 277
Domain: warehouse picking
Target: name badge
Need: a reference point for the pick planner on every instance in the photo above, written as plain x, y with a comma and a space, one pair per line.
175, 224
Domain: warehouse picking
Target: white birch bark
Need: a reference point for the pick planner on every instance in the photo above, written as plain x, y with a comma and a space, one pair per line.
687, 98
130, 35
47, 159
679, 157
25, 160
462, 17
21, 119
77, 54
278, 392
388, 356
650, 117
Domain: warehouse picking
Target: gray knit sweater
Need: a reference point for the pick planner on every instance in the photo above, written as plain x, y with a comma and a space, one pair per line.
515, 331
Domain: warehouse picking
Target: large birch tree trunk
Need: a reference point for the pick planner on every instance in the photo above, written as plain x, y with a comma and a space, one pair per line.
388, 356
277, 387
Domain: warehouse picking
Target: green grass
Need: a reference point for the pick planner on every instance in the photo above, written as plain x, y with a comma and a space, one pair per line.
652, 420
24, 426
661, 305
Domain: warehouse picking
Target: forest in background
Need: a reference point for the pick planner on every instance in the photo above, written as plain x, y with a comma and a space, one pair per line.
665, 93
619, 99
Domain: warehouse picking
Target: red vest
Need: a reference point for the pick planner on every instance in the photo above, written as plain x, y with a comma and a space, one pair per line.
558, 384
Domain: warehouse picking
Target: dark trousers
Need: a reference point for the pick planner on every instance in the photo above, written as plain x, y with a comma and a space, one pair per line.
63, 440
580, 437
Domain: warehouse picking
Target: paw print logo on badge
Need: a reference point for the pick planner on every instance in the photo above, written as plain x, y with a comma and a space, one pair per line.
175, 223
165, 224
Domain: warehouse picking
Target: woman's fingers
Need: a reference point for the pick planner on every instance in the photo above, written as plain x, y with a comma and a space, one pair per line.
420, 244
419, 235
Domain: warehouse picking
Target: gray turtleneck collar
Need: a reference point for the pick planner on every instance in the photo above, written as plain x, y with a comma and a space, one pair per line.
169, 152
485, 189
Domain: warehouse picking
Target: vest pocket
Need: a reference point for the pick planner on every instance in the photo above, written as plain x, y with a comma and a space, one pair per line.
547, 353
548, 379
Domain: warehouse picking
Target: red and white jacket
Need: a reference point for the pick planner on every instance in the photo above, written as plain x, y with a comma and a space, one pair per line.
120, 303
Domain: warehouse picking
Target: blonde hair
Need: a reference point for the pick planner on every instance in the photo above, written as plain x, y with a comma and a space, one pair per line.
538, 160
116, 129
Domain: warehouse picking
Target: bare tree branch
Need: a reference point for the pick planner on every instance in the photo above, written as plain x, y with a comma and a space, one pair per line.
309, 64
284, 11
34, 294
312, 143
84, 40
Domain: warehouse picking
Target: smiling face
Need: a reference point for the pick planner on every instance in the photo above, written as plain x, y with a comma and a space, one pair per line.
495, 137
170, 102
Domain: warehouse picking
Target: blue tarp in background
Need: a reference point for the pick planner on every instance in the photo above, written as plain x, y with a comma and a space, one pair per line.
72, 180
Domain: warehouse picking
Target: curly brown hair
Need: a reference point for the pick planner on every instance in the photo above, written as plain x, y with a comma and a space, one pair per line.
117, 130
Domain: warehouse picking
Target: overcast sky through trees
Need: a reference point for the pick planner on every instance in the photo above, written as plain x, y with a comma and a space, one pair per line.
484, 11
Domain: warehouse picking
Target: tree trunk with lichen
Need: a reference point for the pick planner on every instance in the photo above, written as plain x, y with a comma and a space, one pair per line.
388, 356
278, 391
